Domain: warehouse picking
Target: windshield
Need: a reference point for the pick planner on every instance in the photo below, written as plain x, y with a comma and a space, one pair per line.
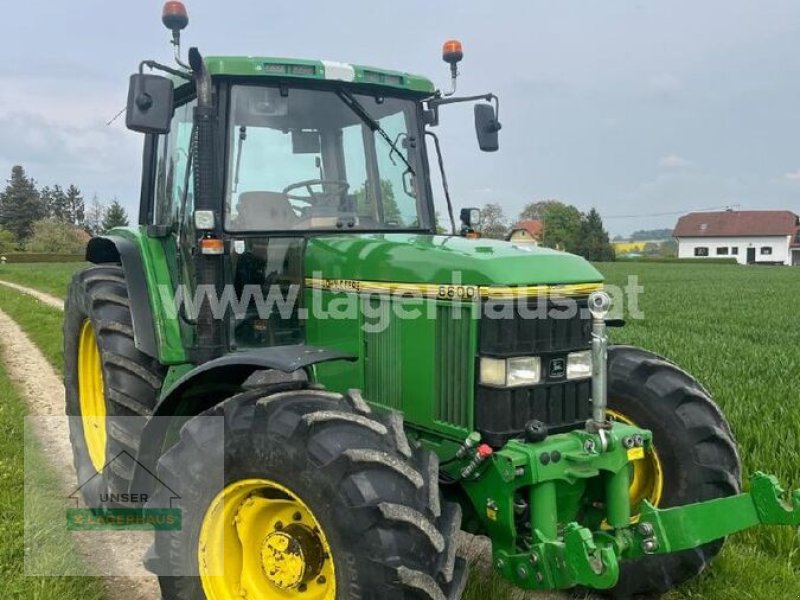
304, 159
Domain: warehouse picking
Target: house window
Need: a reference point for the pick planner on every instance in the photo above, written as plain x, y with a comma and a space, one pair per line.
701, 251
734, 250
766, 250
722, 251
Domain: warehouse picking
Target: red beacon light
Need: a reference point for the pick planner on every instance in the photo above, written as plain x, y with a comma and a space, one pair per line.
174, 16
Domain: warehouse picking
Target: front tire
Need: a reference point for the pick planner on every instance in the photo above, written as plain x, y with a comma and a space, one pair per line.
361, 498
111, 387
695, 453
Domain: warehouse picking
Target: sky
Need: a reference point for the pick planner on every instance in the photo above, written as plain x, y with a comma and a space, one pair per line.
644, 110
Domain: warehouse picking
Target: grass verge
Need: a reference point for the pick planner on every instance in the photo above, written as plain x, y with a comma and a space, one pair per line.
54, 543
51, 278
42, 323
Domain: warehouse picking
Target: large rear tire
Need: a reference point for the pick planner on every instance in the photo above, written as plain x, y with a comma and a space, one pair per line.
363, 499
111, 387
695, 456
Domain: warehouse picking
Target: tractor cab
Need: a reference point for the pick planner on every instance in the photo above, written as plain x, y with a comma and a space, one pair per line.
304, 156
246, 158
300, 155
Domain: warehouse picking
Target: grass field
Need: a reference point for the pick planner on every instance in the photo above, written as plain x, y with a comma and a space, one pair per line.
735, 328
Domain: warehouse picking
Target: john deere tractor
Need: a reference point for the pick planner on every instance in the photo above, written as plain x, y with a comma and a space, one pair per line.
286, 257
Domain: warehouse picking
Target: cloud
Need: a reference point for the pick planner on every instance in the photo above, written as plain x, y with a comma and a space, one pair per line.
56, 128
793, 176
665, 85
673, 161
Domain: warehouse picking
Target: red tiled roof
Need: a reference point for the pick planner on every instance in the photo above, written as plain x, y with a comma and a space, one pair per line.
532, 226
733, 223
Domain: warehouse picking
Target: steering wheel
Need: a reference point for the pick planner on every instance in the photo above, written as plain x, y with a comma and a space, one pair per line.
313, 197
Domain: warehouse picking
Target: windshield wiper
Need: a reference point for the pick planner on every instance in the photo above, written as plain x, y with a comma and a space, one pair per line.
362, 113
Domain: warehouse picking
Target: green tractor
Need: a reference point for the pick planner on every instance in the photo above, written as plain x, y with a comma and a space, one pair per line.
286, 257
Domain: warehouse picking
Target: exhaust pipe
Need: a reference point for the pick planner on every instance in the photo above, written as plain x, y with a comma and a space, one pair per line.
208, 267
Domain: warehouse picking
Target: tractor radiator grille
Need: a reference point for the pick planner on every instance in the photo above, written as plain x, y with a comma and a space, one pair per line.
382, 353
540, 330
454, 364
501, 414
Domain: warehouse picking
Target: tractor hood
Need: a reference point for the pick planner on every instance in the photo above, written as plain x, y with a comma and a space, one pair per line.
417, 258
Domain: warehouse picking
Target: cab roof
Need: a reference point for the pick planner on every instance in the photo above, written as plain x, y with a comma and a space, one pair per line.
323, 70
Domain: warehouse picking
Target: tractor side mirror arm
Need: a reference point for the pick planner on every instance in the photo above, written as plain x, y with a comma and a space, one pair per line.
487, 117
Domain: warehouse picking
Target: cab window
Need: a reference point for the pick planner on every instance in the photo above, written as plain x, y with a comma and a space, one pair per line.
172, 160
305, 159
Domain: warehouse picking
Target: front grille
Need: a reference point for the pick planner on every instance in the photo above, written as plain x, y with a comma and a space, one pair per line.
545, 326
501, 414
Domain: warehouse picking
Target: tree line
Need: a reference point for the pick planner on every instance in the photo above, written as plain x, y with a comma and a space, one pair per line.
51, 219
564, 227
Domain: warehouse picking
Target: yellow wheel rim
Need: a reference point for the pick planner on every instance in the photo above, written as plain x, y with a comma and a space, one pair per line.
92, 400
260, 540
647, 482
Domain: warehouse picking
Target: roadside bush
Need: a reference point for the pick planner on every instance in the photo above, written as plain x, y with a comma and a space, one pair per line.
54, 237
8, 242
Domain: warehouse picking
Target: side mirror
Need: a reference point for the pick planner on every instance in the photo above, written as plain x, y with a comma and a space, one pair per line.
150, 104
470, 217
487, 127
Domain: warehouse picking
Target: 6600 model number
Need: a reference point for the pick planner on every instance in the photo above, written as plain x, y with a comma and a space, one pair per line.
458, 292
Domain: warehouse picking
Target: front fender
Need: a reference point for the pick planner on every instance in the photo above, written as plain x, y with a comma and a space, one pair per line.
118, 250
224, 377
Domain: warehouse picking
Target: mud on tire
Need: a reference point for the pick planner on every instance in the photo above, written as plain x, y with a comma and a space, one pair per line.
375, 497
131, 379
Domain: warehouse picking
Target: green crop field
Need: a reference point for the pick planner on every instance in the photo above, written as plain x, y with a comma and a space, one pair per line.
735, 328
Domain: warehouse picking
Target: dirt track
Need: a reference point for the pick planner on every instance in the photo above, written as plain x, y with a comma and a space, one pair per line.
40, 296
40, 385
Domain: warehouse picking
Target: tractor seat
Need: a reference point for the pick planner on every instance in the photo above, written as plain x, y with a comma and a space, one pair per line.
263, 211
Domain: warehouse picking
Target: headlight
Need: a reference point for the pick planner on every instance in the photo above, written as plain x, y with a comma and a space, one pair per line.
526, 370
579, 365
493, 371
511, 372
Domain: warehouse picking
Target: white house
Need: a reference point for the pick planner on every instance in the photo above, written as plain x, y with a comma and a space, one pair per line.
749, 236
